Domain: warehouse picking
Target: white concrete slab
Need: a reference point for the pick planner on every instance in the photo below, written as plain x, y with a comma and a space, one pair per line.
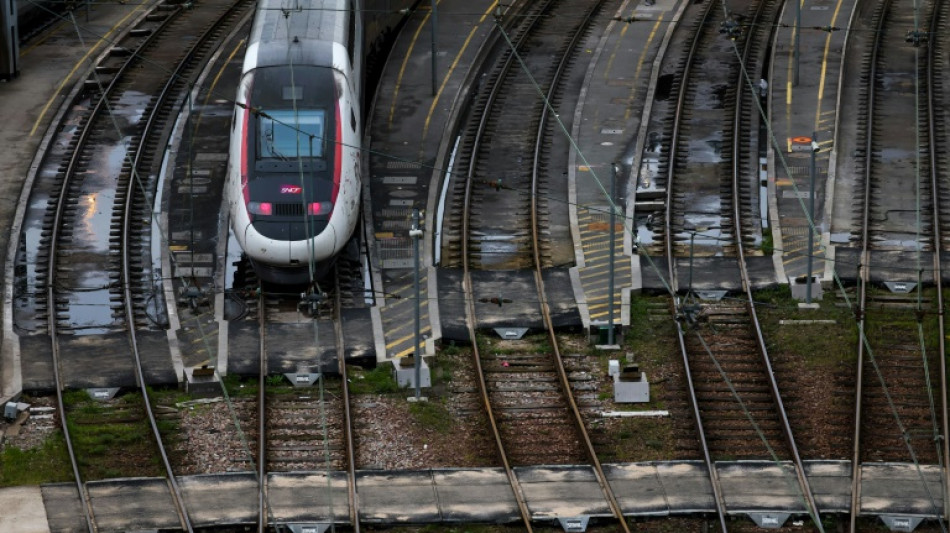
562, 491
23, 510
750, 486
136, 504
900, 489
476, 495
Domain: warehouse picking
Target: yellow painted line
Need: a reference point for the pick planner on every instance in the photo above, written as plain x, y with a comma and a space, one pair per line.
385, 235
405, 339
403, 306
603, 226
636, 76
448, 75
178, 247
783, 182
788, 88
217, 76
82, 60
214, 82
402, 69
407, 352
613, 53
824, 65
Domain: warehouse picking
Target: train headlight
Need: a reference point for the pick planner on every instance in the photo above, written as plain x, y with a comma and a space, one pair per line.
260, 208
321, 208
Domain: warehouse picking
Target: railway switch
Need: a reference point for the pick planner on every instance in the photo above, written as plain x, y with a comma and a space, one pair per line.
917, 38
630, 384
193, 297
406, 375
310, 302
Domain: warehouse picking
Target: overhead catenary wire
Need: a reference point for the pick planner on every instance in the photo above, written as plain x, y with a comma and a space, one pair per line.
862, 334
810, 222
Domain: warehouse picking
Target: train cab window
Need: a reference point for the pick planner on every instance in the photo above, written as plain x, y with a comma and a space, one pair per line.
285, 134
352, 120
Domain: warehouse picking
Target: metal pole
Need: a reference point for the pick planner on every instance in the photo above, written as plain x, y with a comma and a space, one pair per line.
416, 233
798, 36
811, 218
613, 244
689, 290
435, 21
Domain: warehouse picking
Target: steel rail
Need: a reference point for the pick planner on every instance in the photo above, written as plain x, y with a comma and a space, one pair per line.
763, 350
864, 277
671, 265
938, 268
865, 257
262, 415
353, 504
468, 289
539, 279
68, 173
166, 94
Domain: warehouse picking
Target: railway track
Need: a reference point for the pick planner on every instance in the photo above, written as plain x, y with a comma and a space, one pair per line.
525, 387
305, 429
88, 270
734, 399
499, 173
901, 387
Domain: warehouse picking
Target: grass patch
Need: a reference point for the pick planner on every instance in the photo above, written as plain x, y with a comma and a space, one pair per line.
441, 369
379, 380
643, 439
239, 387
432, 414
112, 439
277, 380
830, 341
48, 463
168, 396
451, 349
652, 335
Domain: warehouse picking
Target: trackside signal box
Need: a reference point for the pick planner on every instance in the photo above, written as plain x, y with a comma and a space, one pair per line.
9, 41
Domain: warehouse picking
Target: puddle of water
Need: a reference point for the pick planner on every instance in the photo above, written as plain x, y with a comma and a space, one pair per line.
90, 306
501, 251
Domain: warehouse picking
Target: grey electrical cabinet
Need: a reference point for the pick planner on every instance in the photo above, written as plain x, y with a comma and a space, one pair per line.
9, 41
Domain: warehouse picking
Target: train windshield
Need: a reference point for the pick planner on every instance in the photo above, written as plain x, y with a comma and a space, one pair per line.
287, 134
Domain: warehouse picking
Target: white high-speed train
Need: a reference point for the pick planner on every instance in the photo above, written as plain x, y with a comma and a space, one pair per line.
293, 184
